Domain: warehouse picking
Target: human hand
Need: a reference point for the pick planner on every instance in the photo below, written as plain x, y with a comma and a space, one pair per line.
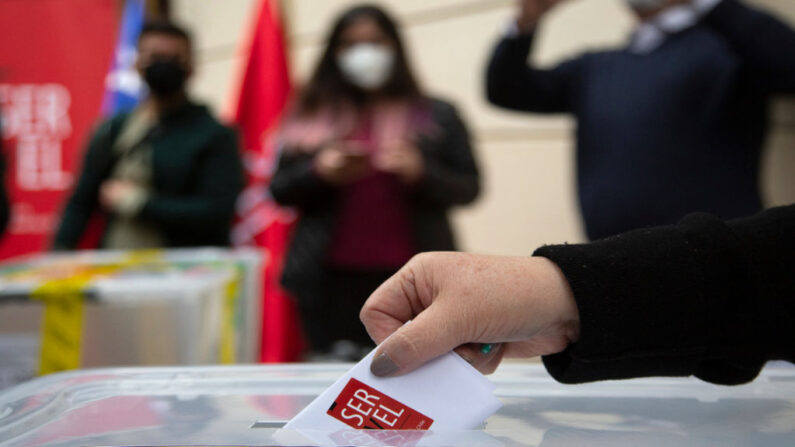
339, 164
531, 11
403, 159
115, 194
455, 299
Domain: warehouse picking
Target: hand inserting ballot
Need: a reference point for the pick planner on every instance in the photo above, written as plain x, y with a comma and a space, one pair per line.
456, 300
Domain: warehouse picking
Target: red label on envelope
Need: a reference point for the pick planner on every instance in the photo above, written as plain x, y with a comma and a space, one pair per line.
362, 406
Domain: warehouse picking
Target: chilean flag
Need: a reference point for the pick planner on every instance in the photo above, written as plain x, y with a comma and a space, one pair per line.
123, 85
264, 91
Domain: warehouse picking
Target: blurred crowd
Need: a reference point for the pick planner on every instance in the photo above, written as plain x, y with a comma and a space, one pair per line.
672, 123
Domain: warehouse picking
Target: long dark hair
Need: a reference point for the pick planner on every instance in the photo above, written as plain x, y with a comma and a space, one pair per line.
328, 87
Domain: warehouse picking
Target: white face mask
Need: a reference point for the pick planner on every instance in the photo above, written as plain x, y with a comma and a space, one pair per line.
366, 65
645, 5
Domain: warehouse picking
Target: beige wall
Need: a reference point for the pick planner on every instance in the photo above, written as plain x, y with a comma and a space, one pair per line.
527, 160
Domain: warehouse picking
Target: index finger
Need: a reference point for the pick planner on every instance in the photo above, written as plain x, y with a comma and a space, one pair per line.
390, 306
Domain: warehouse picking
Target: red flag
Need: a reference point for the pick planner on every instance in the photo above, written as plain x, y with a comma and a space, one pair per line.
263, 95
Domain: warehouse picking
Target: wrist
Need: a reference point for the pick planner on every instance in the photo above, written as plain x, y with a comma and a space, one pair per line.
564, 313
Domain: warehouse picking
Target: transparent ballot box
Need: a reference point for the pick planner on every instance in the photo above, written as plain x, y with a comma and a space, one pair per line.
93, 309
247, 405
247, 264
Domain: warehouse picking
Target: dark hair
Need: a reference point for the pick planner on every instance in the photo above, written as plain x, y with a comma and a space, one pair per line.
167, 28
328, 85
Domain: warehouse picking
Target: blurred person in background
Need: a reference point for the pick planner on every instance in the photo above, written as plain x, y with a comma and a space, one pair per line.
671, 124
5, 205
373, 165
166, 174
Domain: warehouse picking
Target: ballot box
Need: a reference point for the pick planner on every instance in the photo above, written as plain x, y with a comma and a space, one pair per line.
247, 405
98, 308
246, 264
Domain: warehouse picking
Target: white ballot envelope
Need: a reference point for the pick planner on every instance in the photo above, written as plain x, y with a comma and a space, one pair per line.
444, 394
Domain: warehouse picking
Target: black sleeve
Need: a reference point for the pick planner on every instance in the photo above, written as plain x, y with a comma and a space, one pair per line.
764, 43
705, 298
512, 84
451, 175
5, 206
85, 196
295, 183
211, 203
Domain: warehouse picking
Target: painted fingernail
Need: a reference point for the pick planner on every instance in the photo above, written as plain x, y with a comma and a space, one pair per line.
383, 366
486, 348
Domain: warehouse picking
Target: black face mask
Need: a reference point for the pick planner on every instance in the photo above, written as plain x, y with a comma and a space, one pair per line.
165, 77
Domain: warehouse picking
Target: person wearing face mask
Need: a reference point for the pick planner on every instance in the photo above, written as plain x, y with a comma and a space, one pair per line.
373, 165
671, 124
166, 174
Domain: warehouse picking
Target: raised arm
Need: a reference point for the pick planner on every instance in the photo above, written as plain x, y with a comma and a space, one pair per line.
513, 84
765, 43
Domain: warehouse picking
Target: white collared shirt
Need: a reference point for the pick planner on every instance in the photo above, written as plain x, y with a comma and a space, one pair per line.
651, 34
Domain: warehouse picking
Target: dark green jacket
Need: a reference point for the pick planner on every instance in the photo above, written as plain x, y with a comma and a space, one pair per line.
197, 175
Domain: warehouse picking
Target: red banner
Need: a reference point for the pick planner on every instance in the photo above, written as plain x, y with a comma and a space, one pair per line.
54, 56
264, 91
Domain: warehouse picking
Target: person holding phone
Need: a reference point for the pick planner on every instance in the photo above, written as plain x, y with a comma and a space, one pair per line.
372, 164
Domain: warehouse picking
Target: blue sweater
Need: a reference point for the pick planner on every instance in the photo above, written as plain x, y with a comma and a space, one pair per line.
664, 134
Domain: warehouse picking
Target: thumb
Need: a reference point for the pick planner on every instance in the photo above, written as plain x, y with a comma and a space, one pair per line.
431, 334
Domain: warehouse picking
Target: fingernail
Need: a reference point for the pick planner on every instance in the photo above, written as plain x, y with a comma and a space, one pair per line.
486, 348
383, 366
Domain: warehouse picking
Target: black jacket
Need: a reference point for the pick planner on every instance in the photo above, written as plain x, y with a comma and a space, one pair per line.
451, 178
197, 175
5, 205
703, 297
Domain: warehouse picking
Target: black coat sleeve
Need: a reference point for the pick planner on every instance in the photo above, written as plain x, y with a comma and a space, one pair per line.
451, 175
5, 205
513, 84
85, 197
294, 183
705, 298
765, 44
